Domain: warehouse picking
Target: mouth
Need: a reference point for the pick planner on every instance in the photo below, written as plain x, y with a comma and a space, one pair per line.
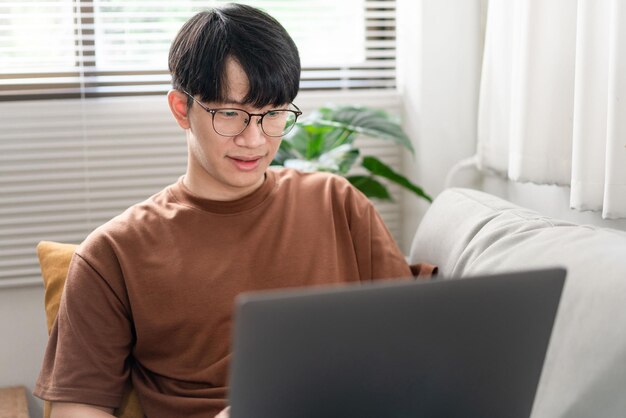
246, 163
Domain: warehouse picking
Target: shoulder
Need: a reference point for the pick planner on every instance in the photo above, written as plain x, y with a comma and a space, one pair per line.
323, 192
318, 182
125, 229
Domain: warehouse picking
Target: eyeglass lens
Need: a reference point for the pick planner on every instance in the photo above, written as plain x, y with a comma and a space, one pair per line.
231, 122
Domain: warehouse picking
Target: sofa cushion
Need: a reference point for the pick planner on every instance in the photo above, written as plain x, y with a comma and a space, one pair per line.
467, 232
54, 260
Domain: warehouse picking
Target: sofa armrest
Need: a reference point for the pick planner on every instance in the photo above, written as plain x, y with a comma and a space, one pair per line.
467, 232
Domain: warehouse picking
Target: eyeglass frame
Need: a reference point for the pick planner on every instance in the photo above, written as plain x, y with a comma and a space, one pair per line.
296, 112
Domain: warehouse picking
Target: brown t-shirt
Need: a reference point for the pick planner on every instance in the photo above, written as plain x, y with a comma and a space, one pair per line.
149, 295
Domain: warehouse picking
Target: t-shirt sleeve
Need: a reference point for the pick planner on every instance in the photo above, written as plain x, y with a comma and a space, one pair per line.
378, 254
86, 360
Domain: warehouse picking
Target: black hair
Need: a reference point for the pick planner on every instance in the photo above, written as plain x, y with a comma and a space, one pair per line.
253, 38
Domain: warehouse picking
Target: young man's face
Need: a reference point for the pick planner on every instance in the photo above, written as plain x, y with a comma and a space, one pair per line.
227, 168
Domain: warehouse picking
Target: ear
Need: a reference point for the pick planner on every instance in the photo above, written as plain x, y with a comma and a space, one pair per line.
177, 101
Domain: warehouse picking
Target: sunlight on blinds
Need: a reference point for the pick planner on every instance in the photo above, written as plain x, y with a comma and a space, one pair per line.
327, 32
42, 41
138, 33
52, 49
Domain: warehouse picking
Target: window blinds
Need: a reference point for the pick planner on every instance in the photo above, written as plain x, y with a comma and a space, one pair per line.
96, 48
68, 166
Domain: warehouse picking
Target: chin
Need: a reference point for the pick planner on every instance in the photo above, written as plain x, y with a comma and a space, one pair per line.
245, 180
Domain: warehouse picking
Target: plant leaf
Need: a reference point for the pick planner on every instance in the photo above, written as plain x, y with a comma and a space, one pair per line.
370, 187
377, 167
371, 122
308, 139
340, 159
295, 142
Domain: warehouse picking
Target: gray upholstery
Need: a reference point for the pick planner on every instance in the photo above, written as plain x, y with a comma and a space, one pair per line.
467, 232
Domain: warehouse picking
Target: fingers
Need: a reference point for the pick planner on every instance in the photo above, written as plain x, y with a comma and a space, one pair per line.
224, 414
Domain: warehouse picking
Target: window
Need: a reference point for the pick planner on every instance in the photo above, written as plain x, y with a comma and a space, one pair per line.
96, 48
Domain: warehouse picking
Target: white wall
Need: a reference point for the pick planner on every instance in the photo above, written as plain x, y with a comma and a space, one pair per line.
440, 47
24, 337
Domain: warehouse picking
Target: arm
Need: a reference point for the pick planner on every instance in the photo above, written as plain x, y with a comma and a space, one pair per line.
378, 254
85, 360
77, 410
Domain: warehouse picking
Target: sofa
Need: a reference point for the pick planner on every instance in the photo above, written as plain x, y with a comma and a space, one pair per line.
467, 232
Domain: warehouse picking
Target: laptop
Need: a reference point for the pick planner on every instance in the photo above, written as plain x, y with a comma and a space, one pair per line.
471, 347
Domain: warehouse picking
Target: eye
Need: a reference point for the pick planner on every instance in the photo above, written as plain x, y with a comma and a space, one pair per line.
227, 113
273, 114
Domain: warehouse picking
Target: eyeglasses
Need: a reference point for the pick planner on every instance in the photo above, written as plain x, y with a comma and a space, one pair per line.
231, 121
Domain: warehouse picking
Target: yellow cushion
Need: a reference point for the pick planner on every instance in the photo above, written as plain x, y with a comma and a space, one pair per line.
54, 259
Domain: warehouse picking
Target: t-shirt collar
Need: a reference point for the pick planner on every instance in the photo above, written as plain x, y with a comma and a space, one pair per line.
182, 194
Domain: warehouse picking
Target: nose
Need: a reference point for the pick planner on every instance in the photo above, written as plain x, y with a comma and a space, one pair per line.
253, 135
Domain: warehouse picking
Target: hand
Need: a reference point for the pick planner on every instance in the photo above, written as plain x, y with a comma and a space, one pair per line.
224, 414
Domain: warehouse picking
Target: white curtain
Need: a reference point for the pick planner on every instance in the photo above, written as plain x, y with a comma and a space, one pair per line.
553, 98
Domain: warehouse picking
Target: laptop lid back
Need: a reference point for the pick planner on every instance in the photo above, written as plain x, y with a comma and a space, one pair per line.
471, 347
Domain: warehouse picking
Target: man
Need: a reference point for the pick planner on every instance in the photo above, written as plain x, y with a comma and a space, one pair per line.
149, 295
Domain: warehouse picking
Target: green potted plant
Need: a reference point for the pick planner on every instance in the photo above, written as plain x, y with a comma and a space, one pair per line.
324, 141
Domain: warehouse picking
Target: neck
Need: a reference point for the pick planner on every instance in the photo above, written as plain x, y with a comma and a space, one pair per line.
207, 188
